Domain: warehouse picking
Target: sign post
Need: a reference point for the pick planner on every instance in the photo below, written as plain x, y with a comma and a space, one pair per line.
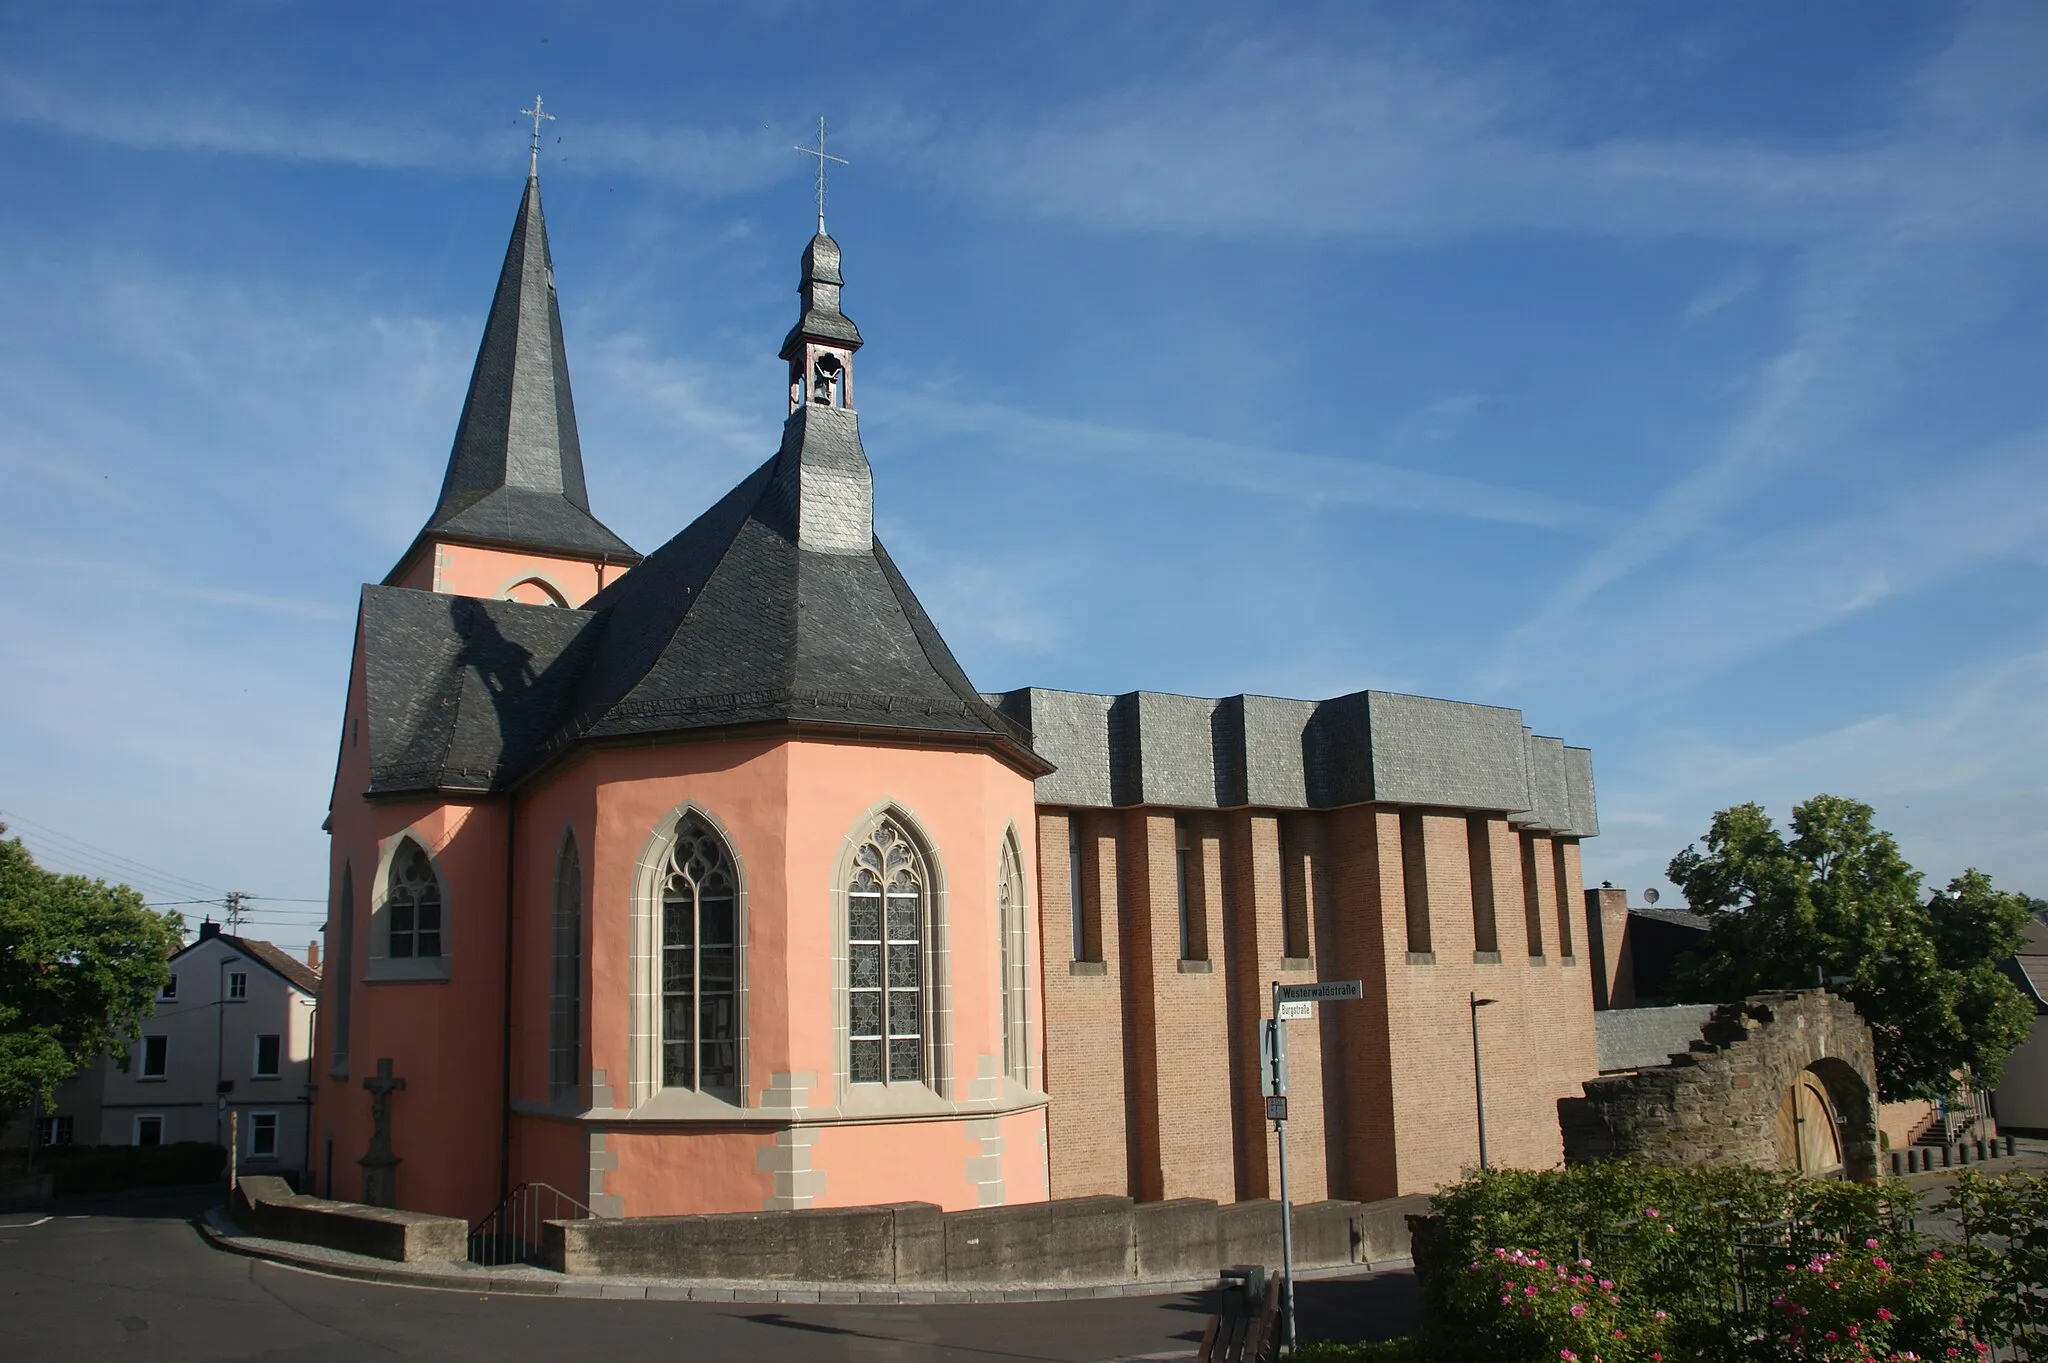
1290, 1001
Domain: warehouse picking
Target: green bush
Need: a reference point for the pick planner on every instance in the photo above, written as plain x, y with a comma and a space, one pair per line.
81, 1169
1627, 1263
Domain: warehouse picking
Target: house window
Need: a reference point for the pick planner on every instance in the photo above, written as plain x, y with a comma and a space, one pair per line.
886, 913
149, 1129
700, 963
56, 1131
156, 1056
238, 985
412, 905
263, 1135
565, 983
1016, 975
268, 1052
169, 993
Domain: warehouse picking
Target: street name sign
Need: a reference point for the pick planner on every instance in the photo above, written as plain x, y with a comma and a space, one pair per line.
1298, 1011
1323, 991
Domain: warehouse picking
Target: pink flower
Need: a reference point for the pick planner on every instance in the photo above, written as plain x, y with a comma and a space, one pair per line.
1934, 1256
1661, 1316
1870, 1244
1578, 1309
1568, 1356
1650, 1212
1883, 1314
1606, 1284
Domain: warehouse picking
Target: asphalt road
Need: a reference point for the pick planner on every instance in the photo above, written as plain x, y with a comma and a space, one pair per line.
131, 1278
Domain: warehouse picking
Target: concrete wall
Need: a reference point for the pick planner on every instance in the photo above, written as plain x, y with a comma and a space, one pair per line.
1087, 1239
2023, 1093
267, 1206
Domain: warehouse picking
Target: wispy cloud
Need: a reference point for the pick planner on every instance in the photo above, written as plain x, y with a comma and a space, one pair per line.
1730, 288
713, 160
1311, 479
160, 582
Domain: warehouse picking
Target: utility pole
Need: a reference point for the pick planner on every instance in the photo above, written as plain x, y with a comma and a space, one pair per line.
238, 913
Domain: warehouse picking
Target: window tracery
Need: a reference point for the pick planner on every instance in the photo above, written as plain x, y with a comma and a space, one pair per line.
412, 905
887, 909
699, 963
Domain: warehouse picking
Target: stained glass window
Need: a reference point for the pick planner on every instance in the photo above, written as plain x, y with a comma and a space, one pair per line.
699, 963
885, 917
412, 904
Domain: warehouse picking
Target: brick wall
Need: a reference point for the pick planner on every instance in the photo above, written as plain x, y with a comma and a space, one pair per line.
1153, 1061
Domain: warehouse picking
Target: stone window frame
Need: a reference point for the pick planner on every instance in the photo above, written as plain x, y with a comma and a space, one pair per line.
340, 959
937, 969
380, 967
565, 1010
1013, 959
644, 1088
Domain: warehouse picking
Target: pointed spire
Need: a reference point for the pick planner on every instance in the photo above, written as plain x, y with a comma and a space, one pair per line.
515, 475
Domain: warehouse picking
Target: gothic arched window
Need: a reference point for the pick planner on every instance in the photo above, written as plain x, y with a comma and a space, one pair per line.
1014, 961
887, 910
565, 974
412, 905
699, 963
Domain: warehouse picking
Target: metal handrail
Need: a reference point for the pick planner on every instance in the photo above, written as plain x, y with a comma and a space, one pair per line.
512, 1233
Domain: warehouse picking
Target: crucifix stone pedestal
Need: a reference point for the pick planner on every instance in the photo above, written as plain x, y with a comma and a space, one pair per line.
380, 1166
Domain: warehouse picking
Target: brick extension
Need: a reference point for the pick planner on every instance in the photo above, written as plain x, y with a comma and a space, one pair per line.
1154, 1056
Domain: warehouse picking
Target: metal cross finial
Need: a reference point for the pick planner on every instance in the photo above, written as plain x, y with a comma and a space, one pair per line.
823, 156
537, 114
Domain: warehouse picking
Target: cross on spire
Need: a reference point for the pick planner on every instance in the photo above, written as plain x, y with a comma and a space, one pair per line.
823, 156
537, 114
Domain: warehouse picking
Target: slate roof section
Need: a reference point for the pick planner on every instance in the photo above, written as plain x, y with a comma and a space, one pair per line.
819, 287
1149, 748
515, 474
2028, 968
463, 692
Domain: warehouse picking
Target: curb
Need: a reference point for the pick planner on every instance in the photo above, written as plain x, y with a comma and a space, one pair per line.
363, 1269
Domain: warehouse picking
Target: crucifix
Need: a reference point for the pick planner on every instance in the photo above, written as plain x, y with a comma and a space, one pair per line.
380, 1166
537, 114
823, 156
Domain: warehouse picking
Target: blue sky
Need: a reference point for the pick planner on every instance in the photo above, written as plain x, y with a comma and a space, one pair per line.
1671, 373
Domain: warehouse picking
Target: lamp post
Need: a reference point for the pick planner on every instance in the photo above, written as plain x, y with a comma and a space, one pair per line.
1478, 1085
220, 1035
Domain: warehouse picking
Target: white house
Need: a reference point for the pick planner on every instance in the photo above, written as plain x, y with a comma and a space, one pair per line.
232, 1033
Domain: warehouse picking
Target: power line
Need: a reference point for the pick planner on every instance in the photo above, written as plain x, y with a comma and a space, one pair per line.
137, 868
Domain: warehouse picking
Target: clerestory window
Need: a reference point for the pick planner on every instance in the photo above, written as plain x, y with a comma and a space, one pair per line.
700, 963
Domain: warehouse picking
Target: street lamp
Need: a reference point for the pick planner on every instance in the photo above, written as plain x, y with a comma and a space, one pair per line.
220, 1034
1478, 1088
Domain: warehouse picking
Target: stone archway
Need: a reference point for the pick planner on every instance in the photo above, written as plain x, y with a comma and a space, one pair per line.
1779, 1081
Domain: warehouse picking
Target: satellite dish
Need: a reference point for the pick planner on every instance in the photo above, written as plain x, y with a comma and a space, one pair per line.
1649, 897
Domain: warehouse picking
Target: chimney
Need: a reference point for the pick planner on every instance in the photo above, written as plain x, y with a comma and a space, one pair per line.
208, 928
312, 955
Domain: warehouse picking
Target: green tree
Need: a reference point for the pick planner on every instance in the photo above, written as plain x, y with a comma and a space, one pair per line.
1837, 899
80, 964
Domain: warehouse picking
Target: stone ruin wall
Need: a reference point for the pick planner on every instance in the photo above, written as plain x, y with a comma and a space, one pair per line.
1717, 1103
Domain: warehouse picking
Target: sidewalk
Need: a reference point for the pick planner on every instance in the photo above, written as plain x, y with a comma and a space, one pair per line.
524, 1280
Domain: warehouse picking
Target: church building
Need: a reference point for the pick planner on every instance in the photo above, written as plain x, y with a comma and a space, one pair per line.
707, 881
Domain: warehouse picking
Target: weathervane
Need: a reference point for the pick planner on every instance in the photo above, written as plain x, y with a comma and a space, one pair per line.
823, 156
536, 113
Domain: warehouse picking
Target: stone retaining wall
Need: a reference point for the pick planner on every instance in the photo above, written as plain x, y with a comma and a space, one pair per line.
266, 1206
1069, 1240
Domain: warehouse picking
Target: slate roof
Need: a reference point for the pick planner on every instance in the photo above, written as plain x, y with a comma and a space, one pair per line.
1678, 918
515, 474
2028, 968
778, 605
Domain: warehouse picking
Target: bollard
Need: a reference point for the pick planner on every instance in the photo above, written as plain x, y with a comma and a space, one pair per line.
2008, 1147
1980, 1150
1913, 1160
1948, 1156
1898, 1164
1963, 1153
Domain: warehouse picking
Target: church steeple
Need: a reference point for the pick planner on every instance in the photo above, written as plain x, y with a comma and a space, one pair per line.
515, 474
820, 346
